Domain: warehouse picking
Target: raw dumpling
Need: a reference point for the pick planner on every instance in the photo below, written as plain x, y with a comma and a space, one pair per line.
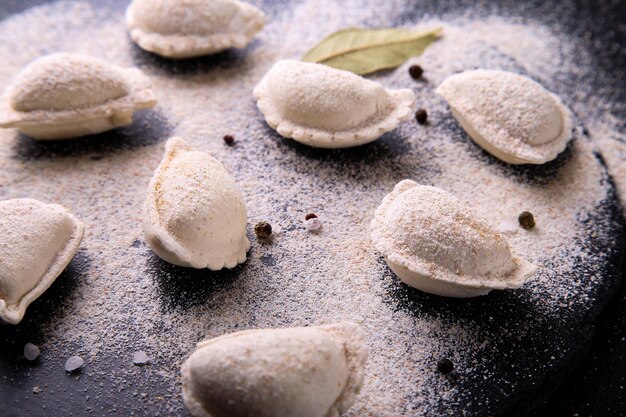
189, 28
65, 95
509, 115
329, 108
194, 214
291, 372
440, 245
38, 241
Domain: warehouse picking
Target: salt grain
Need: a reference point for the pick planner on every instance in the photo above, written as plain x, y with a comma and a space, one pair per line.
31, 352
140, 358
74, 363
313, 224
507, 227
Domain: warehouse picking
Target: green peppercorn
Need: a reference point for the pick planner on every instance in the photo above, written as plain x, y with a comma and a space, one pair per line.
526, 220
263, 230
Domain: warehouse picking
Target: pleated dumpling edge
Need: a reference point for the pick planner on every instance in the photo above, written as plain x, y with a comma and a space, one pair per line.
194, 214
189, 29
324, 107
64, 95
439, 244
509, 115
41, 240
290, 372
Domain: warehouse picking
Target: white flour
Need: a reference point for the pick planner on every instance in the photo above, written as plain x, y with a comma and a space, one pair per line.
126, 300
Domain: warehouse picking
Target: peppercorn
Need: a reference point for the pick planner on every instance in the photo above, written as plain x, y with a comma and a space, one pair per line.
229, 140
416, 71
421, 116
310, 216
445, 366
526, 220
263, 230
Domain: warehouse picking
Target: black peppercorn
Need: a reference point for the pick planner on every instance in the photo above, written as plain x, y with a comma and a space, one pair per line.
445, 366
229, 140
416, 71
263, 230
526, 220
421, 116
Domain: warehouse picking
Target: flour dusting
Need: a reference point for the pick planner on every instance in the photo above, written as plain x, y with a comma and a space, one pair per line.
125, 299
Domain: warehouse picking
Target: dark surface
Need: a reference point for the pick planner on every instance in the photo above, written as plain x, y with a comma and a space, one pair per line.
594, 388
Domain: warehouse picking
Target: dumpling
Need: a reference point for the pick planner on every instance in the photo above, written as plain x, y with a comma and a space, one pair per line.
510, 116
194, 214
190, 28
329, 108
66, 95
290, 372
438, 244
37, 241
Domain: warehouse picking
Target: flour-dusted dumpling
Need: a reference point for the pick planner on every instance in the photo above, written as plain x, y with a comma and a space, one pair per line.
439, 244
66, 95
194, 214
37, 241
290, 372
329, 108
510, 116
189, 28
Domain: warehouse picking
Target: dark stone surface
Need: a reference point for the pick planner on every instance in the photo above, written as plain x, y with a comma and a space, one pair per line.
593, 388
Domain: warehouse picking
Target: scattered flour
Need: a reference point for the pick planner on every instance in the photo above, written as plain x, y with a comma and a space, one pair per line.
126, 297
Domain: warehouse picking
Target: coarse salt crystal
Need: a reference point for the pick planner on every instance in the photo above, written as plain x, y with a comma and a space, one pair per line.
74, 363
31, 351
313, 225
507, 227
140, 358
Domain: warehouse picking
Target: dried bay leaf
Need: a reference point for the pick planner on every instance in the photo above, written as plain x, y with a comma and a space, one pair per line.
364, 51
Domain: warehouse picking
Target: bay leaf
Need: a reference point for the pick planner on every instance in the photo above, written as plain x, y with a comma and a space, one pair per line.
364, 51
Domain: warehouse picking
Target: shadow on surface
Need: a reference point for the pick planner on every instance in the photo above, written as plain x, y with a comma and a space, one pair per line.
148, 128
183, 288
191, 66
41, 314
522, 337
536, 175
389, 153
383, 149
